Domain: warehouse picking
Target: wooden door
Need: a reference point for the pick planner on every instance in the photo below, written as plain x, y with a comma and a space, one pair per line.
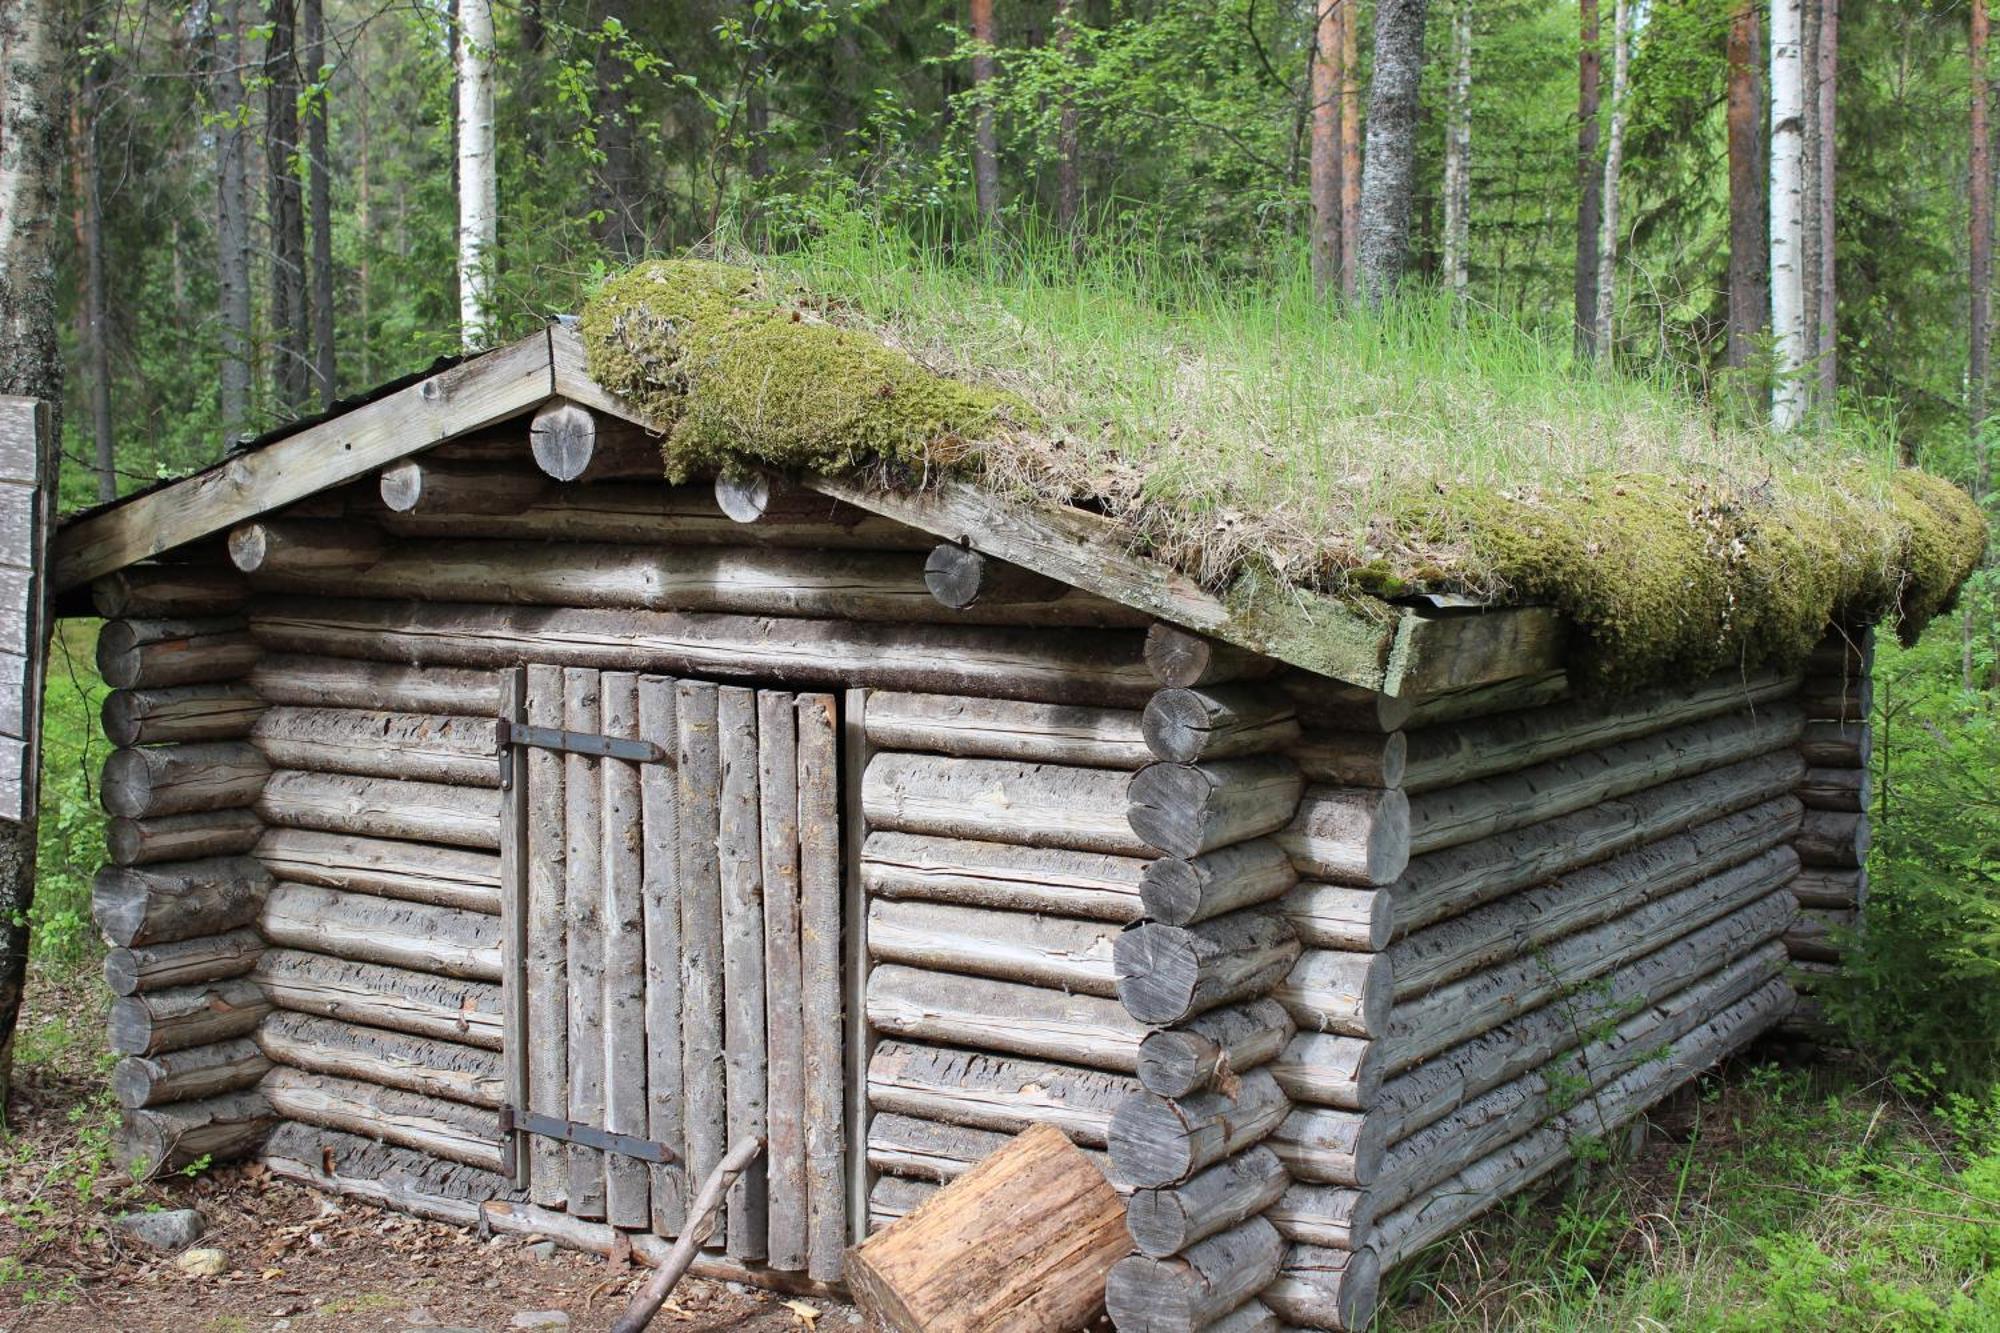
674, 955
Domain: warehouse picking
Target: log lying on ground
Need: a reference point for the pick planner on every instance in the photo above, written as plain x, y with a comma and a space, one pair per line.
1349, 835
1331, 705
1003, 1016
417, 872
450, 1130
1195, 1289
445, 940
1837, 744
1169, 974
189, 837
1327, 1069
1352, 758
961, 578
427, 486
187, 962
436, 1068
1186, 726
1333, 1216
157, 654
1330, 1289
943, 1271
1341, 916
198, 589
994, 1092
220, 1129
1094, 668
1166, 1221
1187, 809
1059, 952
1002, 875
570, 442
1179, 658
189, 1075
1820, 934
1331, 990
1833, 838
420, 746
1045, 805
1213, 1050
956, 724
204, 712
303, 546
1180, 891
382, 808
143, 905
383, 997
157, 780
1826, 886
1836, 789
332, 682
153, 1022
1157, 1142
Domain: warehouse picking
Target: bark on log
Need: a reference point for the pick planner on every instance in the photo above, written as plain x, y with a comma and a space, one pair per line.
156, 780
184, 1016
188, 962
1214, 1050
1058, 952
205, 712
382, 808
959, 577
1001, 875
1329, 1289
383, 997
1833, 838
994, 1092
1181, 891
1352, 758
418, 936
1178, 658
570, 442
1350, 835
1043, 805
167, 590
1157, 1141
180, 1076
428, 486
420, 746
303, 546
1327, 1069
1195, 1289
381, 1174
220, 1129
165, 904
332, 682
392, 1059
1187, 809
190, 837
1187, 726
1040, 733
414, 872
1164, 1222
158, 654
1844, 789
1003, 1016
1834, 744
1818, 886
1333, 991
1340, 916
1169, 974
446, 1129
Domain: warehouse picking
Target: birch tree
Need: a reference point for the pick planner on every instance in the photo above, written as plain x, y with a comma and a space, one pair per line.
1788, 329
478, 199
1614, 164
1388, 176
1458, 154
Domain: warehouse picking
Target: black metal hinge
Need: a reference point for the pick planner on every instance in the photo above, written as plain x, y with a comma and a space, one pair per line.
513, 733
589, 1136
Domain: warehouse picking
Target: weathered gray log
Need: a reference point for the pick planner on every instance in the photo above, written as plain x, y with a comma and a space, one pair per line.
1340, 916
383, 997
621, 855
297, 546
422, 746
583, 937
1193, 1290
997, 874
1322, 1288
1096, 668
753, 495
1846, 653
189, 837
1537, 690
155, 780
429, 486
195, 589
1060, 952
1837, 698
960, 577
218, 1129
745, 1045
1187, 809
205, 712
380, 1173
1166, 1221
1253, 1316
659, 885
1213, 1050
1325, 1145
1044, 805
1833, 838
1169, 974
392, 1059
1003, 1016
1332, 705
995, 1092
1179, 658
961, 725
158, 654
1352, 758
1820, 934
183, 1016
205, 958
699, 765
572, 443
1350, 835
382, 808
144, 905
1158, 1141
547, 959
189, 1075
1181, 891
417, 872
447, 1129
1330, 990
823, 978
784, 980
1825, 886
332, 682
1844, 789
931, 1150
893, 1198
1332, 1216
1837, 744
445, 940
1187, 726
1328, 1069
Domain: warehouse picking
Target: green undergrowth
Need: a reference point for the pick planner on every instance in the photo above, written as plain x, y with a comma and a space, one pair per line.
1247, 429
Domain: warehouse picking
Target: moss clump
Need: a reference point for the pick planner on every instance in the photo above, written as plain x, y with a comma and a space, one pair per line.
739, 378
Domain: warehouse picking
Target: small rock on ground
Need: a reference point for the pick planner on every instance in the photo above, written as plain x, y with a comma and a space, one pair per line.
174, 1229
545, 1321
541, 1251
203, 1263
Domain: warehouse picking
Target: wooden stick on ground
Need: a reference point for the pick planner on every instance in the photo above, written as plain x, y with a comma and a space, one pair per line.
701, 1219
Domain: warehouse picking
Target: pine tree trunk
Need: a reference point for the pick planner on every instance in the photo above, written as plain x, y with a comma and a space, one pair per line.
90, 310
985, 145
478, 203
1982, 293
618, 176
1324, 175
319, 205
1829, 286
1788, 330
1749, 297
1388, 178
1589, 176
1614, 165
290, 368
232, 225
1458, 155
1068, 190
1350, 146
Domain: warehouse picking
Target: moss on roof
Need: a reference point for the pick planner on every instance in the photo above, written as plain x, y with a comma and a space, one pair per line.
1665, 574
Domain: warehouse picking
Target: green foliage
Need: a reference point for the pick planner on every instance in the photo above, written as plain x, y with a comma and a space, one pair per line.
70, 844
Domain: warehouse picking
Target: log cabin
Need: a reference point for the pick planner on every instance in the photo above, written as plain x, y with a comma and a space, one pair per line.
501, 830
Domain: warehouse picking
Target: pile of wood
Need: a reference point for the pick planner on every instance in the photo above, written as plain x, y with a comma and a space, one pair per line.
1832, 886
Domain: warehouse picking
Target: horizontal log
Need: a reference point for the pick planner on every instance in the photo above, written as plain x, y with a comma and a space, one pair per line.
1195, 1289
428, 486
893, 1198
146, 905
1157, 1142
346, 1050
570, 442
1349, 835
384, 997
1325, 1145
157, 654
290, 546
1820, 934
1845, 789
158, 1139
1187, 809
1331, 705
189, 1075
1328, 1069
759, 495
961, 725
1809, 977
417, 872
382, 808
1837, 744
961, 578
205, 958
153, 1022
1331, 990
167, 590
1166, 1221
1833, 838
1518, 694
1003, 1016
446, 1129
1340, 916
997, 874
1177, 657
1323, 1288
1826, 886
424, 938
1844, 653
189, 837
1837, 698
1352, 758
1003, 1093
333, 682
1043, 805
1332, 1216
204, 712
1180, 891
1060, 952
930, 1150
1213, 1050
156, 780
420, 746
382, 1173
1169, 974
1189, 726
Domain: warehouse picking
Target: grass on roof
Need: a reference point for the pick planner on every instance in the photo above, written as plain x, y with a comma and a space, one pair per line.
1239, 428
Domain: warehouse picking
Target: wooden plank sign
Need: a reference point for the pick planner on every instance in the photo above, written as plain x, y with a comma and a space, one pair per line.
27, 510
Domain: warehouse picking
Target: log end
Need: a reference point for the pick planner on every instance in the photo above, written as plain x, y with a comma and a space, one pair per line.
955, 575
563, 437
1149, 1143
744, 497
249, 546
402, 486
1157, 972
